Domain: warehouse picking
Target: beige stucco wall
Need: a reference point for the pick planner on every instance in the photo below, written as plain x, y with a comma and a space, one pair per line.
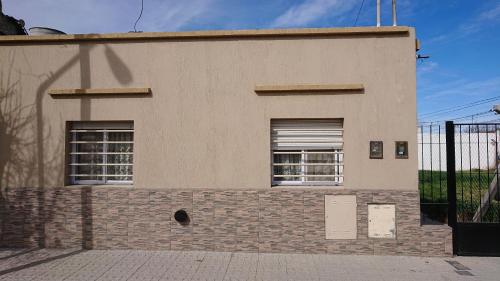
204, 126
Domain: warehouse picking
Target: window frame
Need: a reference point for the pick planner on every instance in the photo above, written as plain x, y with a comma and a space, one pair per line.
338, 160
99, 127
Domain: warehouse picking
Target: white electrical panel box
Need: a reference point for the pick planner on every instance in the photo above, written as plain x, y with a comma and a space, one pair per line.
340, 217
382, 221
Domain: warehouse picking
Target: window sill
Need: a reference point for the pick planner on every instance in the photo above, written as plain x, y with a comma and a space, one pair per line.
100, 186
324, 186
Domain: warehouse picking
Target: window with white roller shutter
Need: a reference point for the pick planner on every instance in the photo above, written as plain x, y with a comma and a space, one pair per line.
101, 152
307, 151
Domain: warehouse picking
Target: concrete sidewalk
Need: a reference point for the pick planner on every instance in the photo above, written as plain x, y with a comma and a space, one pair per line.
71, 264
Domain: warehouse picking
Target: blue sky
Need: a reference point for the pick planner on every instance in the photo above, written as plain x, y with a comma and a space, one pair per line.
461, 36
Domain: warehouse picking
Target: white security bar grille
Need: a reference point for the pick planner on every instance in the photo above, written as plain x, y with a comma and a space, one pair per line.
307, 152
101, 152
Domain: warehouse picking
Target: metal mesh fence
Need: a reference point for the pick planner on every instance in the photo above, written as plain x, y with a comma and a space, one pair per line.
432, 174
476, 164
476, 154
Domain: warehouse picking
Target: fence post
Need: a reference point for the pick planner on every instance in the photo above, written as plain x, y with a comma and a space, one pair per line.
451, 178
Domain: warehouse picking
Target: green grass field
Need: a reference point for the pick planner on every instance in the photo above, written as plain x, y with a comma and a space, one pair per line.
471, 185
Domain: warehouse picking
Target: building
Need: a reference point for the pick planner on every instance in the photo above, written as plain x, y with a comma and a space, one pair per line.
254, 140
432, 150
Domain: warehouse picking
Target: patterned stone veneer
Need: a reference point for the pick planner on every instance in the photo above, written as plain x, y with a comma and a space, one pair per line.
274, 220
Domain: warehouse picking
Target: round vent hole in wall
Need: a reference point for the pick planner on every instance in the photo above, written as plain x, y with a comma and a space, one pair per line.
182, 217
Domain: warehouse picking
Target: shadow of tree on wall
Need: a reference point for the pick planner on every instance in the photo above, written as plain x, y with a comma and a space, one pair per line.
20, 220
34, 211
118, 67
16, 121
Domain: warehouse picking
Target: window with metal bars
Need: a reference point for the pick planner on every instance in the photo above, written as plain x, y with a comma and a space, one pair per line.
307, 152
101, 152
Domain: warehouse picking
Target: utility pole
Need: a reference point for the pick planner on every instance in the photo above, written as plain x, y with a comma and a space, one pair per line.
394, 15
378, 13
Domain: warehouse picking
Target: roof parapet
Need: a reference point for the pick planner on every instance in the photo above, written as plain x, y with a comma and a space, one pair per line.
210, 35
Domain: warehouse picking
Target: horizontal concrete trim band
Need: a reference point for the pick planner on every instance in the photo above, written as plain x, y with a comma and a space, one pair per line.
309, 89
56, 93
304, 32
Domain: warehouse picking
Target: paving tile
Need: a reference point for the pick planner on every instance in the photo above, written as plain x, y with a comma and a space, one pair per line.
135, 265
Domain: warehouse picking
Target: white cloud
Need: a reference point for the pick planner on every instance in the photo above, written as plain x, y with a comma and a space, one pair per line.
485, 18
457, 91
173, 14
104, 16
470, 26
427, 67
312, 10
462, 88
492, 14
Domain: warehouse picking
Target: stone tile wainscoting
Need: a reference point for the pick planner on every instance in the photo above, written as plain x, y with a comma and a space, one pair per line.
273, 220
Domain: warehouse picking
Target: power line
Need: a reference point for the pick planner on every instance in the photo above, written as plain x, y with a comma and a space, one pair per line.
140, 15
459, 107
464, 105
359, 12
491, 120
457, 118
472, 115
